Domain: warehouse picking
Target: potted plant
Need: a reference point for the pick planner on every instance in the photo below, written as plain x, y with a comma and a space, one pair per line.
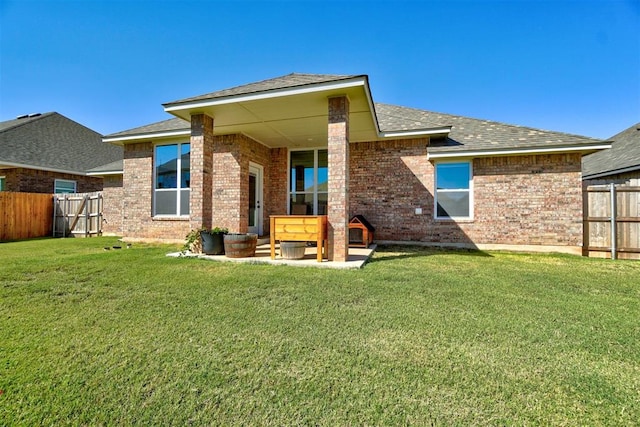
213, 240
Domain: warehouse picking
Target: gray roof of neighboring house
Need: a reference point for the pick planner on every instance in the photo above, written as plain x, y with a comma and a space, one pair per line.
51, 141
624, 155
283, 82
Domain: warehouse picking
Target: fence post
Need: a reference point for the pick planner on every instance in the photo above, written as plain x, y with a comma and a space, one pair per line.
87, 200
585, 220
614, 215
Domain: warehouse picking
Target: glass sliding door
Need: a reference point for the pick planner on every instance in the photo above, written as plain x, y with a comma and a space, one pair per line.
308, 185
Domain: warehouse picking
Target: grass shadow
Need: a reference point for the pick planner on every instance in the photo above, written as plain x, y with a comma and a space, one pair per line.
391, 252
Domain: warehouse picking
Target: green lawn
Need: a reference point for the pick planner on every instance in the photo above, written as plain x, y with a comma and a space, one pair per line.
418, 337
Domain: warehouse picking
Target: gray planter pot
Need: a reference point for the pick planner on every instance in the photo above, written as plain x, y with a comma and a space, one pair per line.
292, 250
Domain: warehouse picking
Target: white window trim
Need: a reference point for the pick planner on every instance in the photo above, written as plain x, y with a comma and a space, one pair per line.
55, 185
470, 191
315, 179
177, 189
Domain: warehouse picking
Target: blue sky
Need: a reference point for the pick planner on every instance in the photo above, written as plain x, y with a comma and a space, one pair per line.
570, 66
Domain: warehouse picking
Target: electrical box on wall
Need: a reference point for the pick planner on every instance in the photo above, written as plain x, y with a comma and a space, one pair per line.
418, 211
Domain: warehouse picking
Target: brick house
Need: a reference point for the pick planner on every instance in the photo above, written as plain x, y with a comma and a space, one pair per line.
619, 165
319, 145
49, 153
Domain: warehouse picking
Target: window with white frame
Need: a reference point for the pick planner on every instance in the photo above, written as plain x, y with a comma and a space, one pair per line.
454, 198
172, 178
63, 186
309, 179
2, 183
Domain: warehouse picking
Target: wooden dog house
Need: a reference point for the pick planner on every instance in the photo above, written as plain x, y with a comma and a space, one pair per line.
360, 232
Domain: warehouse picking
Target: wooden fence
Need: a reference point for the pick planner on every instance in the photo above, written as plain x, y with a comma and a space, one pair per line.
77, 215
612, 221
25, 215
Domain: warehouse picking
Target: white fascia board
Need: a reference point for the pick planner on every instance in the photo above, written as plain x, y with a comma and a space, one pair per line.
105, 173
152, 135
41, 168
612, 172
416, 132
536, 150
274, 93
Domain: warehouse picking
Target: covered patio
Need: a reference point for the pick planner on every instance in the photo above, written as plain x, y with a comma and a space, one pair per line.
279, 147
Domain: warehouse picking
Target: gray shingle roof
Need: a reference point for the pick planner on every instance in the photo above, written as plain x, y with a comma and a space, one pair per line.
468, 134
175, 124
283, 82
117, 166
54, 142
624, 154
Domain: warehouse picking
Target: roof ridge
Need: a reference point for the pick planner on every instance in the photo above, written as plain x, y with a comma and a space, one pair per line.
25, 122
266, 85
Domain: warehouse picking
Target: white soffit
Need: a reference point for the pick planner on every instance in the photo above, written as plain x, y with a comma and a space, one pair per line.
296, 117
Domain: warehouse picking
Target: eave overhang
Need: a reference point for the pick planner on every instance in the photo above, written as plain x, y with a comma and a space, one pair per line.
12, 165
121, 140
611, 172
453, 154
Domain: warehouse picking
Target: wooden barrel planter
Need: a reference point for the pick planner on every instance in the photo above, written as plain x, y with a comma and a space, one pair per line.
292, 250
240, 245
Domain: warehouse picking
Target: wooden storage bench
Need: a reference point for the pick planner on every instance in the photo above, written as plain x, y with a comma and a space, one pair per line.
300, 228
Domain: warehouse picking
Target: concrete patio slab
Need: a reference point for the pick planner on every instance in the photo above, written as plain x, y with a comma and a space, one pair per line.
357, 258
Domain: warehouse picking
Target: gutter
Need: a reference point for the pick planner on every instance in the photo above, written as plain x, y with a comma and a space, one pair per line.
611, 172
516, 151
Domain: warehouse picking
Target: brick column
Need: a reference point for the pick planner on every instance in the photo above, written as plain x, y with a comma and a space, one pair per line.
201, 205
338, 205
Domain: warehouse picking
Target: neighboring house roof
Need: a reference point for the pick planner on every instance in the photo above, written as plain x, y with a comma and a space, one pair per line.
300, 95
623, 156
51, 141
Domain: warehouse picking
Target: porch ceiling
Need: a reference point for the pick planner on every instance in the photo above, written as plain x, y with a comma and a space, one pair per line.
286, 118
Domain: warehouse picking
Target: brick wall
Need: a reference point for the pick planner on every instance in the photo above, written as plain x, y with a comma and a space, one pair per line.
137, 220
112, 205
278, 189
37, 181
518, 200
252, 151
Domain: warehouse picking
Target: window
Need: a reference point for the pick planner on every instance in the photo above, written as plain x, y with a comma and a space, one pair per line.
172, 178
453, 190
2, 184
62, 186
309, 182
